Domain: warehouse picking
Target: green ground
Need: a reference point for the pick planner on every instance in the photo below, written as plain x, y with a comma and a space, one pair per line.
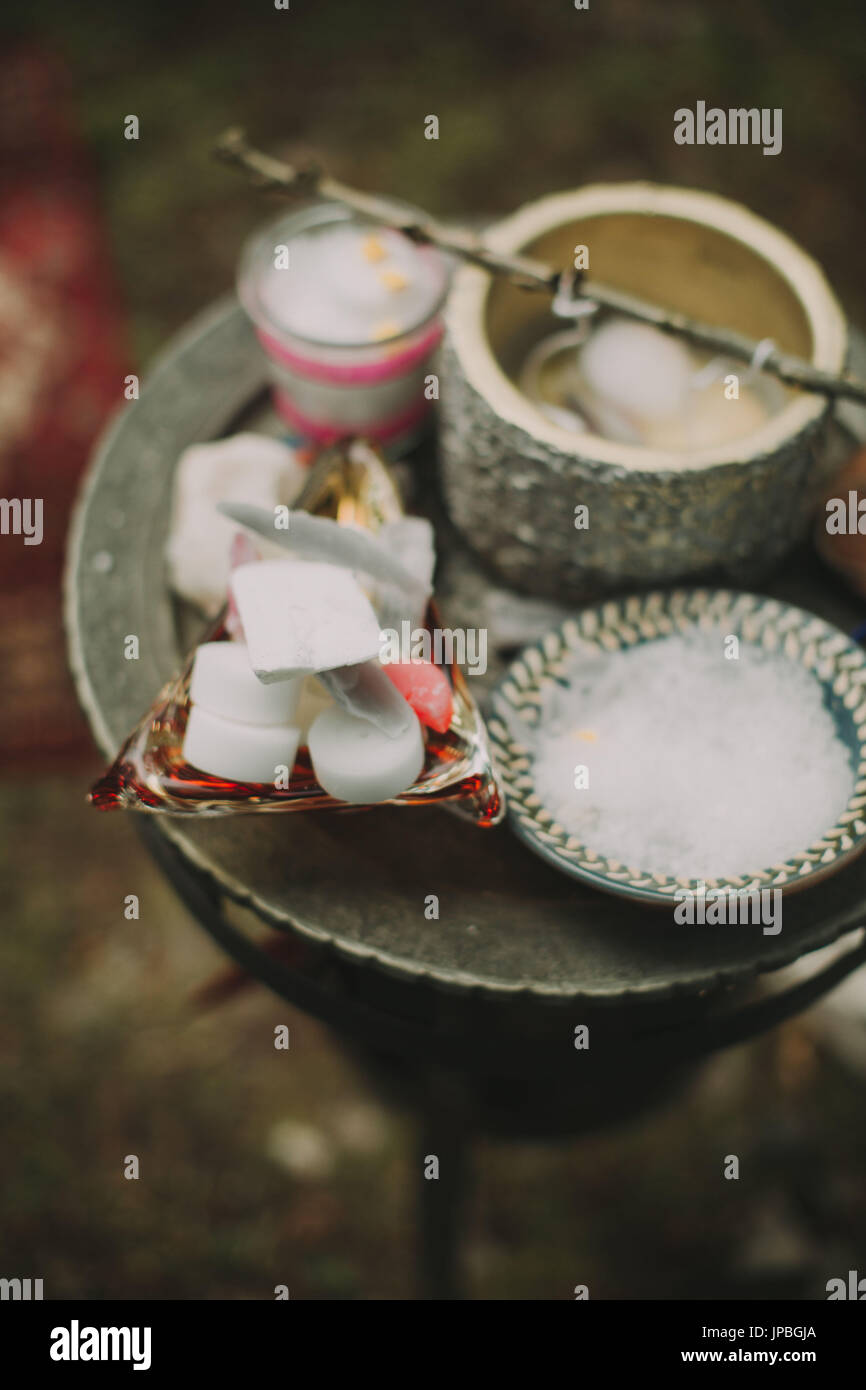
261, 1167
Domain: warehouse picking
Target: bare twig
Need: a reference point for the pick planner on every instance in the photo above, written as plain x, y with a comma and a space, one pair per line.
788, 368
569, 288
273, 175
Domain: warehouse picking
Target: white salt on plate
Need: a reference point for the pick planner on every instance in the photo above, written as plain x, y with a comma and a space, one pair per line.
698, 766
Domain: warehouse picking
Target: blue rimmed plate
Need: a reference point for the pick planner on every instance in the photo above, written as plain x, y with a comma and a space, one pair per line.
828, 654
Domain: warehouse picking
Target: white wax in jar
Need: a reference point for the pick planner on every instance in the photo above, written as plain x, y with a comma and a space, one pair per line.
349, 285
355, 762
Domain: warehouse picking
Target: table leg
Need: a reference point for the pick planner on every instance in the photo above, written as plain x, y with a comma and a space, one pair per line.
443, 1149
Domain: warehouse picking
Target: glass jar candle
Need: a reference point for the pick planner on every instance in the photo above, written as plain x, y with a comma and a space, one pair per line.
348, 314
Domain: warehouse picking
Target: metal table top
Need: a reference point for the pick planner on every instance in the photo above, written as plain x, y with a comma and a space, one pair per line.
509, 926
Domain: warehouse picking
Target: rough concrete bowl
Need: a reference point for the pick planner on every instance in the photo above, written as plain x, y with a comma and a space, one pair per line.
512, 478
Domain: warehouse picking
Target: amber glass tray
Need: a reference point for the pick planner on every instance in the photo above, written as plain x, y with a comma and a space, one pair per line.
351, 484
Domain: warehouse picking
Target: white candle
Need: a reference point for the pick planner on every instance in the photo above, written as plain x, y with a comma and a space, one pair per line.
355, 762
223, 683
238, 752
636, 385
238, 728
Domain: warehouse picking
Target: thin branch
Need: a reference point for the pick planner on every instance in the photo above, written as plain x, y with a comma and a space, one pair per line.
275, 176
788, 368
568, 288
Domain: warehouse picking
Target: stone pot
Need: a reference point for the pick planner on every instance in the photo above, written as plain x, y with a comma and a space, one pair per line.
512, 478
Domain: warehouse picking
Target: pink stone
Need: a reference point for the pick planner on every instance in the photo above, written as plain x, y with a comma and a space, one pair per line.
426, 688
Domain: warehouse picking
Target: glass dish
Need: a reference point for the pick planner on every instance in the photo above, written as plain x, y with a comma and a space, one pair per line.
352, 485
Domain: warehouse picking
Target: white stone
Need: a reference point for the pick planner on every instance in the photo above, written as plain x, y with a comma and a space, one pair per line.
224, 683
355, 762
238, 752
244, 468
300, 617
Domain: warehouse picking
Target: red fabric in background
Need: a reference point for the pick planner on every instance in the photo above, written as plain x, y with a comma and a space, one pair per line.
63, 358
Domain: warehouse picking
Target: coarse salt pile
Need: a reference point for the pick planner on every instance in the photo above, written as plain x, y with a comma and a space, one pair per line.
699, 766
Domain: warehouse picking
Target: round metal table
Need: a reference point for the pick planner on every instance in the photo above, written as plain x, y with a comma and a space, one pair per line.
472, 1016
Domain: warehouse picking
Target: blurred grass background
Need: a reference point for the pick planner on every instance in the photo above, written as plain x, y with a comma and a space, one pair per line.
259, 1167
530, 99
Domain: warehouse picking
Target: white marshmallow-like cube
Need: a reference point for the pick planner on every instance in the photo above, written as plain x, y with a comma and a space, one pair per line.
300, 617
244, 468
238, 752
355, 762
224, 683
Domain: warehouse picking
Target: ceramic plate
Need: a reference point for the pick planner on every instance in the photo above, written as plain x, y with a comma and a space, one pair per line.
831, 657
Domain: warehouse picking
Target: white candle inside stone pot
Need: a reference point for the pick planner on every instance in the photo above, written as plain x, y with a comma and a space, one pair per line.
637, 385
